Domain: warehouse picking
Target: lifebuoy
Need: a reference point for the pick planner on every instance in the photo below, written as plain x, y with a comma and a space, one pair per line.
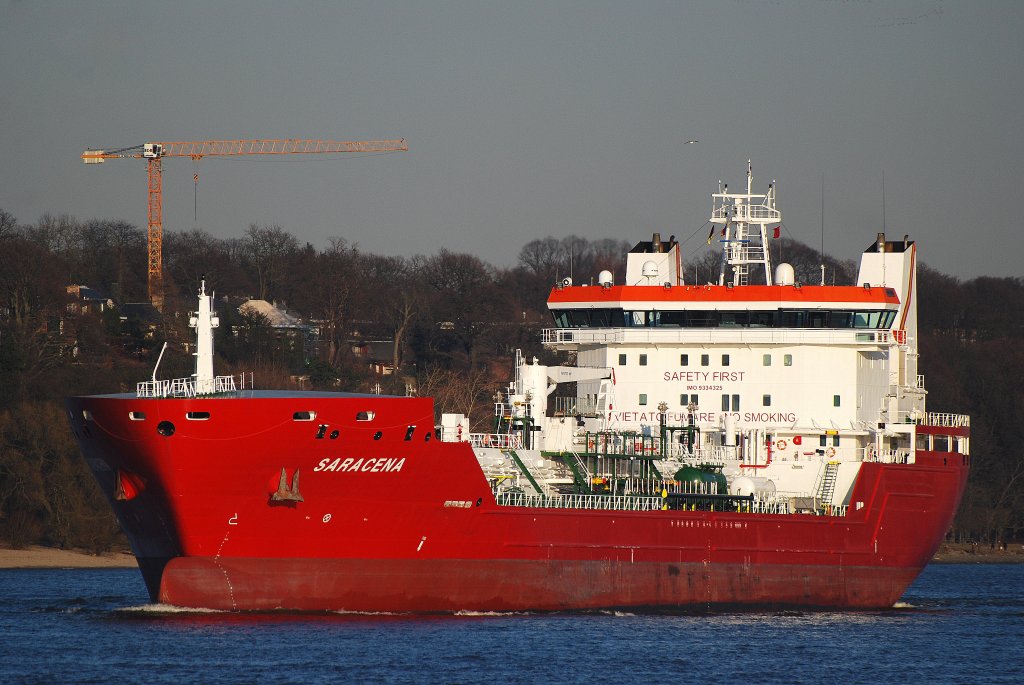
830, 452
780, 445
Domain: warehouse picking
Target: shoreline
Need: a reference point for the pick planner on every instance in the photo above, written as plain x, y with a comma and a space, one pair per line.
36, 556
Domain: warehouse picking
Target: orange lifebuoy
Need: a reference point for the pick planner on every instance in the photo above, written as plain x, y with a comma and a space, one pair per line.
830, 452
780, 445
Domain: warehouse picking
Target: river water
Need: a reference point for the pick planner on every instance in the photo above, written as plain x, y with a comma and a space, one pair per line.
956, 624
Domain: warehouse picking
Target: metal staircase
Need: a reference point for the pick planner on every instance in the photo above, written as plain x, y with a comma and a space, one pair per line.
827, 486
580, 473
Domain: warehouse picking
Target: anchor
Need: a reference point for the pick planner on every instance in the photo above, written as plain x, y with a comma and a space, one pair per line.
285, 493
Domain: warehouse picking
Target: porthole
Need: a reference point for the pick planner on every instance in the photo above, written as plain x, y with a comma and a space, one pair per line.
426, 436
165, 428
378, 435
334, 435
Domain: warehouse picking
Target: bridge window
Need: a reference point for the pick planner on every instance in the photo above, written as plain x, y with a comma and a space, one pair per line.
696, 318
643, 399
643, 360
835, 400
841, 320
766, 400
787, 360
622, 360
725, 360
705, 360
672, 319
766, 360
684, 360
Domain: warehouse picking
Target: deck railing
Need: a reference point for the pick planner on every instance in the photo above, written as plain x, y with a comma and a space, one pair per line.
778, 505
185, 387
947, 420
503, 441
598, 502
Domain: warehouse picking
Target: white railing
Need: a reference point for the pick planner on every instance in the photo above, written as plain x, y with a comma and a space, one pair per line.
504, 441
900, 456
598, 502
184, 387
573, 406
778, 505
947, 420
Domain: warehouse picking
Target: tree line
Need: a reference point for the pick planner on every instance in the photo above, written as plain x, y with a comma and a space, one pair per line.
450, 321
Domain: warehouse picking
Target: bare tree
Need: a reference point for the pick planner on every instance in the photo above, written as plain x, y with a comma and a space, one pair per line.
267, 248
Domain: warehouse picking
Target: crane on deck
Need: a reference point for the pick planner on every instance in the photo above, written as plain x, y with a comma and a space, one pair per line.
154, 153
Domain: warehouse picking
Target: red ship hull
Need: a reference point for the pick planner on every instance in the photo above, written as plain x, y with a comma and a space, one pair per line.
386, 518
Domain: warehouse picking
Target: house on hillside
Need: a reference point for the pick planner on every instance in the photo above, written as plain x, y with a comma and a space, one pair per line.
285, 325
379, 354
86, 299
142, 317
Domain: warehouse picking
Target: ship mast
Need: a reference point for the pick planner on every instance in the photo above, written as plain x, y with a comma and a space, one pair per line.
204, 321
745, 233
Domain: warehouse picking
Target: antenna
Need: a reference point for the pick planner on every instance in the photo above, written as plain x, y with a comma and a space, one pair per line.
883, 200
157, 366
822, 253
883, 226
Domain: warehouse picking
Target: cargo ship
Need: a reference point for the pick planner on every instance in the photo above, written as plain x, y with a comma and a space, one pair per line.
749, 441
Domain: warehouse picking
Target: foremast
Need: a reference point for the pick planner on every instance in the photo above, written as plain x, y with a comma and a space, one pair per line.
204, 320
203, 381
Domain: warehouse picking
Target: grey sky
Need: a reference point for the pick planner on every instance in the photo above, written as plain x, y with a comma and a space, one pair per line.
527, 119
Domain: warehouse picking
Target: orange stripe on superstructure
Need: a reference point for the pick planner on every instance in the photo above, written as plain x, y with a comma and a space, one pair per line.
808, 294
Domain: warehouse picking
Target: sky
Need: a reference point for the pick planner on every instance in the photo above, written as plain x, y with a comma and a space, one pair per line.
530, 119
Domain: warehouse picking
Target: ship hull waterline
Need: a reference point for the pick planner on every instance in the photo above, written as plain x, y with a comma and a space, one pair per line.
454, 585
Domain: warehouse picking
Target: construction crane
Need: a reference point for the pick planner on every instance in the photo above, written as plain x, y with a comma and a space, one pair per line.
154, 153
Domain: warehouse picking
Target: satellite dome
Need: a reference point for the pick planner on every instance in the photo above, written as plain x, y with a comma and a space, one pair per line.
784, 274
605, 278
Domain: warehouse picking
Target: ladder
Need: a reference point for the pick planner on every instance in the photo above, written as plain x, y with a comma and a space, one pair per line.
827, 487
525, 471
580, 472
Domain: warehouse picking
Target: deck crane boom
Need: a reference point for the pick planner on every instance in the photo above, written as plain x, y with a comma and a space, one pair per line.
154, 153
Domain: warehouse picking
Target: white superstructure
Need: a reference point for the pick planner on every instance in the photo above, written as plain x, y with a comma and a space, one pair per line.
758, 374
